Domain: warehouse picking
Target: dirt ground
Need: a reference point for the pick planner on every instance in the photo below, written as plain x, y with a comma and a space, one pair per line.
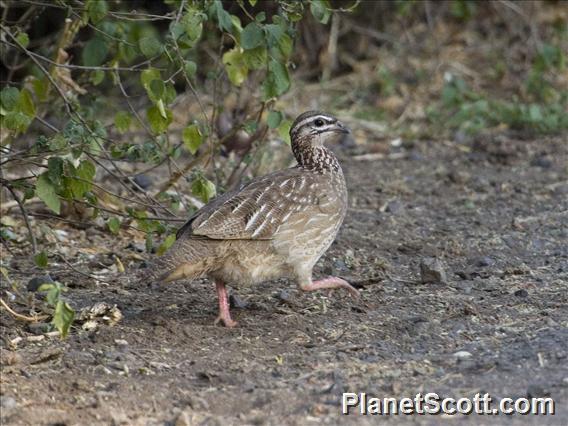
492, 211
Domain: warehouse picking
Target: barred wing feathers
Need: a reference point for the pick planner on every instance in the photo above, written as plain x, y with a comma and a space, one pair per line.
257, 209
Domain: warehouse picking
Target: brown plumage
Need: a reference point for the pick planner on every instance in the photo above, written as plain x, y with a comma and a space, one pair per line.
274, 226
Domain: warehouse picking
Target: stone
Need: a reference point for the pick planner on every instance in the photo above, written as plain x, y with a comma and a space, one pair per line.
432, 271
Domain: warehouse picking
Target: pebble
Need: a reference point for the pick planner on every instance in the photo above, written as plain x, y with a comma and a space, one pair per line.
143, 181
394, 207
537, 391
36, 282
542, 161
39, 327
183, 419
432, 270
9, 358
138, 247
465, 286
236, 302
7, 402
484, 261
463, 354
521, 293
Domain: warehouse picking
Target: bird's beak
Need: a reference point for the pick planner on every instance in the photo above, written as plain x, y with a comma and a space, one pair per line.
342, 128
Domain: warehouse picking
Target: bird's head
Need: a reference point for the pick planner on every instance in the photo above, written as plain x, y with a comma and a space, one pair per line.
318, 127
308, 134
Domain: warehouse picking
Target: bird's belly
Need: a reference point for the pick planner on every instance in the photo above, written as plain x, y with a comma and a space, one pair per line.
255, 265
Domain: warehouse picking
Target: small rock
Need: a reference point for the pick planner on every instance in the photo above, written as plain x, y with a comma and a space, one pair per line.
284, 295
542, 161
7, 402
432, 270
143, 181
537, 391
394, 207
39, 327
36, 282
9, 358
120, 342
183, 419
484, 261
236, 302
138, 247
465, 286
521, 293
463, 354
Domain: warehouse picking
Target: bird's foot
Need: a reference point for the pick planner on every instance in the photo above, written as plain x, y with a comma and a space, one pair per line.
331, 282
224, 313
227, 320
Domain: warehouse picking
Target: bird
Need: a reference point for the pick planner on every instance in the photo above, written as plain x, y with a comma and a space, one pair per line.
274, 226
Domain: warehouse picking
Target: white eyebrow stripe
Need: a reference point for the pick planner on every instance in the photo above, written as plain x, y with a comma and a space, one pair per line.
312, 118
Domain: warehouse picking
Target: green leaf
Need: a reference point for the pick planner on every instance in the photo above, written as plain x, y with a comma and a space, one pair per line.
274, 119
150, 46
158, 123
253, 2
157, 89
170, 239
113, 225
147, 77
284, 130
46, 192
40, 259
190, 68
203, 188
256, 58
235, 65
283, 49
95, 52
16, 120
40, 86
97, 10
55, 170
58, 142
170, 94
320, 10
192, 26
23, 39
26, 103
53, 291
277, 81
223, 17
9, 97
192, 138
63, 317
97, 77
122, 121
252, 36
86, 171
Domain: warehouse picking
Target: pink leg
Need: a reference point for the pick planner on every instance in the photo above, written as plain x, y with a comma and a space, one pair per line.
330, 282
224, 314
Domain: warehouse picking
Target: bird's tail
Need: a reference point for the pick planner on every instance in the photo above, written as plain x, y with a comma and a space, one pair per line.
186, 259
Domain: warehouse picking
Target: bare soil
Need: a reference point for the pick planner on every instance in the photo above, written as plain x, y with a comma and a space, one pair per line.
493, 211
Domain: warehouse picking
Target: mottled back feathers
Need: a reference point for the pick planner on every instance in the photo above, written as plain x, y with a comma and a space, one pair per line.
256, 210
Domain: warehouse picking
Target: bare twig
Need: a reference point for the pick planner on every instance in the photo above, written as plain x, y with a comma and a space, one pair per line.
25, 216
20, 316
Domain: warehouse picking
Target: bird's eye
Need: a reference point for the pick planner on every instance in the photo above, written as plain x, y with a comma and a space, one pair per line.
319, 122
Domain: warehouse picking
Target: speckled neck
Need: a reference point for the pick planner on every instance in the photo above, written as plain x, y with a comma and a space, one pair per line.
317, 158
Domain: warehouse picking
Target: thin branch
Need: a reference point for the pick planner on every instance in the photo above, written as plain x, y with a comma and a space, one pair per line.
20, 316
25, 216
136, 68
